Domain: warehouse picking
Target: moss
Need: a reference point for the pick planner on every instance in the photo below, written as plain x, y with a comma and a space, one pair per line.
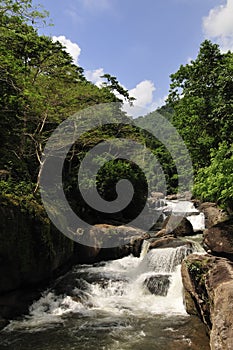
198, 271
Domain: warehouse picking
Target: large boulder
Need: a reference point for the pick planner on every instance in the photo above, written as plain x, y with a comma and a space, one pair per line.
208, 291
110, 242
213, 214
158, 284
219, 239
169, 242
32, 252
178, 226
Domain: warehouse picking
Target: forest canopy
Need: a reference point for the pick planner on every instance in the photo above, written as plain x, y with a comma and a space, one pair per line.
40, 87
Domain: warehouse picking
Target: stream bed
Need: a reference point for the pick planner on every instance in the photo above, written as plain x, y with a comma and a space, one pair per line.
130, 303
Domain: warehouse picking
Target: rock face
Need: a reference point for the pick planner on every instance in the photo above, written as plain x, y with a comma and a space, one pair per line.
178, 226
130, 239
208, 291
158, 284
32, 251
219, 239
213, 214
169, 242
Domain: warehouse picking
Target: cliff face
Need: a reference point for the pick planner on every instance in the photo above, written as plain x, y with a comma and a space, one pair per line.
31, 251
208, 291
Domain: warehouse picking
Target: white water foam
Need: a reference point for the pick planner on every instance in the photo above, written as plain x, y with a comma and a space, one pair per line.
179, 207
197, 221
121, 291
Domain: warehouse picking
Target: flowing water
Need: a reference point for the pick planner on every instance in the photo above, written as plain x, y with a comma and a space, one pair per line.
130, 303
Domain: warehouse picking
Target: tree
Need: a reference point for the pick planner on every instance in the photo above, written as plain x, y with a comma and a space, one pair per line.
214, 183
40, 88
113, 85
202, 97
24, 10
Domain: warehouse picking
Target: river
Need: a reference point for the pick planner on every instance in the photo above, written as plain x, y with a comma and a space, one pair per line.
130, 303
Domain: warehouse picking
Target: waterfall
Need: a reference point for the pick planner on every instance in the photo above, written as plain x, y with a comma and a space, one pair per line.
145, 248
150, 284
198, 221
119, 305
164, 260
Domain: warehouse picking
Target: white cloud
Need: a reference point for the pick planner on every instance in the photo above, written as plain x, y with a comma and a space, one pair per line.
72, 48
95, 76
218, 25
143, 93
189, 60
144, 103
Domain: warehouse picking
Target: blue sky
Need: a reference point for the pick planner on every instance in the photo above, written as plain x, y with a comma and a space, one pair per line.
141, 42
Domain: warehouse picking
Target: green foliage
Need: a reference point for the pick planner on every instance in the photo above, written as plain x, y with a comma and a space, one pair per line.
113, 85
202, 96
214, 183
20, 194
40, 87
23, 9
154, 122
198, 271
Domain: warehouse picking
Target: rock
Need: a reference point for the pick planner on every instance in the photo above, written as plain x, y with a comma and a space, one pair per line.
32, 250
159, 222
208, 291
170, 242
3, 323
116, 242
157, 195
193, 271
161, 233
213, 214
85, 254
16, 303
178, 226
171, 197
184, 195
158, 284
219, 239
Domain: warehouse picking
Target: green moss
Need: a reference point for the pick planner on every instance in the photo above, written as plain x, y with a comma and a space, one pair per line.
198, 271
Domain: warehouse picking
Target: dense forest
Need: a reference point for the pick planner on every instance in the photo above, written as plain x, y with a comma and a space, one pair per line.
41, 87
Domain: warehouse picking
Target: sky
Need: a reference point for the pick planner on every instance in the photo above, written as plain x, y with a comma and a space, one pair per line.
141, 42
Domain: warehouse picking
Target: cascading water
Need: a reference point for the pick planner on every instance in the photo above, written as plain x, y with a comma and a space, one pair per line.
130, 303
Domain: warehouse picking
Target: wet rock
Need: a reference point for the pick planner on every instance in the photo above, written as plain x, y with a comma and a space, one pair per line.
3, 323
162, 233
158, 284
171, 197
219, 239
157, 195
178, 226
117, 242
185, 195
16, 303
32, 250
213, 214
85, 254
158, 224
170, 242
208, 291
